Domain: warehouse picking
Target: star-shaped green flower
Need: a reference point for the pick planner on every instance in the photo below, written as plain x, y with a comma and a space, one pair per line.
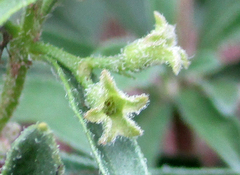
114, 109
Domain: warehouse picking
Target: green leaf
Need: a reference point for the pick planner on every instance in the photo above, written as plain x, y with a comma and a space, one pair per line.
154, 121
133, 14
122, 157
140, 79
81, 20
221, 20
111, 47
44, 100
78, 164
34, 152
7, 9
205, 62
220, 132
223, 94
230, 72
70, 45
193, 171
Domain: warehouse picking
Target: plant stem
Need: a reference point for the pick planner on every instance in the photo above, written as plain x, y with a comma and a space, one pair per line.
18, 62
48, 6
66, 59
11, 92
73, 62
15, 76
35, 15
81, 71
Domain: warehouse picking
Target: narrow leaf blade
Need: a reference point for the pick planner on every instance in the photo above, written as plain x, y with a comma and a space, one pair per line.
154, 121
221, 20
44, 93
133, 14
7, 9
73, 19
221, 133
70, 45
122, 157
76, 164
205, 62
223, 94
230, 72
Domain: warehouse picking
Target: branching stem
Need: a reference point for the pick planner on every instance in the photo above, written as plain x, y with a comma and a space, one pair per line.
19, 62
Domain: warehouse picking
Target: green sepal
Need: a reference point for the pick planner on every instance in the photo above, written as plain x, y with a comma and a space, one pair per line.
159, 46
34, 152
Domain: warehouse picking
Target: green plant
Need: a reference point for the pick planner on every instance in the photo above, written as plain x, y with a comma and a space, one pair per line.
202, 99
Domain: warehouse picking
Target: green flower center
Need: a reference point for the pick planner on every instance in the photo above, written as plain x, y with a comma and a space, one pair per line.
110, 107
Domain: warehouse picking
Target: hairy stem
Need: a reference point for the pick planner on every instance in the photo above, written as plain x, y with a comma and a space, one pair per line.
19, 62
40, 49
11, 92
81, 71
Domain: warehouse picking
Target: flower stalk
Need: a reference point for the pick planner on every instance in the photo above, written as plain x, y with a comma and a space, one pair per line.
158, 47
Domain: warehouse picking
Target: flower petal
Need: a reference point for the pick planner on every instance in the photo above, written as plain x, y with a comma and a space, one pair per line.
135, 104
107, 82
95, 115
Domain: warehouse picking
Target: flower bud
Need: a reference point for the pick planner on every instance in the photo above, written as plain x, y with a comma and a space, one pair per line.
158, 47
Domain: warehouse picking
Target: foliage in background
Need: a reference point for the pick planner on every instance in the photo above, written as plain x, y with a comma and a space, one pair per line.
205, 96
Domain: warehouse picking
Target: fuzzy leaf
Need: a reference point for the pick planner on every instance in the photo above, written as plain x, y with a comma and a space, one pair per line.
34, 152
122, 157
7, 9
44, 93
